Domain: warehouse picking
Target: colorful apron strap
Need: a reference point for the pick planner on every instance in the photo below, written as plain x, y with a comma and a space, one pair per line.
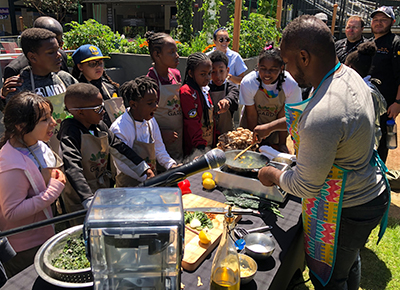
377, 161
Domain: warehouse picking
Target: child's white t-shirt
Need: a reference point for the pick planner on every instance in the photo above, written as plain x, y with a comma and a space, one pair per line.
124, 129
249, 87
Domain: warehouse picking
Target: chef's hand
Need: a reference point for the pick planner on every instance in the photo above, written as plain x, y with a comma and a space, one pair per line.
269, 175
149, 173
10, 84
223, 106
393, 110
169, 136
58, 175
261, 132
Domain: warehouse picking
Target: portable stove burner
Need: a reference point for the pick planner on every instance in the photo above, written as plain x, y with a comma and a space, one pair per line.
248, 182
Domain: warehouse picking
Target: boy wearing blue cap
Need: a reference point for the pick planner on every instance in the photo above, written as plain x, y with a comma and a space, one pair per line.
89, 68
43, 75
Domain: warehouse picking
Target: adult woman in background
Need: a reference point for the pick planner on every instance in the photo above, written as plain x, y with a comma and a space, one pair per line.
236, 65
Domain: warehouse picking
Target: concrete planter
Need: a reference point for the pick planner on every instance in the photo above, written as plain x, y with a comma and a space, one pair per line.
123, 67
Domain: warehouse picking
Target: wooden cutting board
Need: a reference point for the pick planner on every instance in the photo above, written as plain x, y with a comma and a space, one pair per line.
196, 252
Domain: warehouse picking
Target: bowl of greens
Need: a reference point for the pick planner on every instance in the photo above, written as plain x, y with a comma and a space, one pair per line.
62, 260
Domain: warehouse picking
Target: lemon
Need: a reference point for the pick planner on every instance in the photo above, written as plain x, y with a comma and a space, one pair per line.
206, 175
204, 237
208, 183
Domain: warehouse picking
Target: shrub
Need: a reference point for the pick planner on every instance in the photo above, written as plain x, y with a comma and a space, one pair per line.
92, 32
254, 33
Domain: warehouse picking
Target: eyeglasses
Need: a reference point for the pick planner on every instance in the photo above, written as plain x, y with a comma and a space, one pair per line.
95, 63
224, 39
98, 109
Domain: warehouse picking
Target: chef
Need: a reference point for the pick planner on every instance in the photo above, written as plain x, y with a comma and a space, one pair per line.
338, 174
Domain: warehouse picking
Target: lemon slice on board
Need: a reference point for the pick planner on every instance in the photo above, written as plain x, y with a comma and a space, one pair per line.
204, 237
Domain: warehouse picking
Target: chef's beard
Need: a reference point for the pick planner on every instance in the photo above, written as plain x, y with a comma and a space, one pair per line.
300, 78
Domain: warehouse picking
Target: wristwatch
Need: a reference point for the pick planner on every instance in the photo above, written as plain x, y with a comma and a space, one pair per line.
397, 101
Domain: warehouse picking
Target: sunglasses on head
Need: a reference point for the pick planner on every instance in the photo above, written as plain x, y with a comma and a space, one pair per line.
222, 39
98, 109
95, 63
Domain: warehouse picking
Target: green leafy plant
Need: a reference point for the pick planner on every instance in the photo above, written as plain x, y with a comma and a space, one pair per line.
267, 7
184, 16
137, 45
211, 10
254, 33
92, 32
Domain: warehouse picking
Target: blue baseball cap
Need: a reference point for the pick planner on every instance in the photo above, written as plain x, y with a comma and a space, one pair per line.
87, 53
387, 10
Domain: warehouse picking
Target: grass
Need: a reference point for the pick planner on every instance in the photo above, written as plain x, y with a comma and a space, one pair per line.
380, 263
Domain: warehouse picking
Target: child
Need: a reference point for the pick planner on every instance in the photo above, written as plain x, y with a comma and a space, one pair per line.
361, 61
197, 106
138, 129
43, 75
89, 68
223, 92
29, 180
163, 52
86, 144
264, 93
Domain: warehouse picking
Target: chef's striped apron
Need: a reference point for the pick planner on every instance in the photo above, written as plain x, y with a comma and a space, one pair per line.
321, 214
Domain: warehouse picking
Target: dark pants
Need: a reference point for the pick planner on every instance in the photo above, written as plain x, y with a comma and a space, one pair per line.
20, 262
356, 224
382, 149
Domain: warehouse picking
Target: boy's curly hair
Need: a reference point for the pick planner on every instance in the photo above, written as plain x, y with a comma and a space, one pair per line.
136, 89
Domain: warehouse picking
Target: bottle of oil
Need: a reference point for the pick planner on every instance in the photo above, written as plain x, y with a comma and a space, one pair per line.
225, 271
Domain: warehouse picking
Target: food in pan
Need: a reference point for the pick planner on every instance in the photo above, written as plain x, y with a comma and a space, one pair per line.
73, 255
237, 139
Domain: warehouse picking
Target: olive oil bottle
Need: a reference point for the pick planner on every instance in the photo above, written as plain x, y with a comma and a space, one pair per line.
225, 271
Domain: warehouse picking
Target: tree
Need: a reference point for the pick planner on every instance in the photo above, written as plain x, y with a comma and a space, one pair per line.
58, 8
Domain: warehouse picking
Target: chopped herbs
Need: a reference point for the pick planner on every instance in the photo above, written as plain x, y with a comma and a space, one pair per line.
204, 220
73, 256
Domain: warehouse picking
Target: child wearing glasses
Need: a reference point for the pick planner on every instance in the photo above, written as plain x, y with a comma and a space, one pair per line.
236, 65
138, 129
86, 144
264, 93
163, 52
89, 68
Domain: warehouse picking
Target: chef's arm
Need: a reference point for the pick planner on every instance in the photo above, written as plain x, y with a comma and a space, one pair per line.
251, 117
394, 109
263, 131
269, 175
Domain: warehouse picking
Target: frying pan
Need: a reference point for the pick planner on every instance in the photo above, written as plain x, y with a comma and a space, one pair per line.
249, 161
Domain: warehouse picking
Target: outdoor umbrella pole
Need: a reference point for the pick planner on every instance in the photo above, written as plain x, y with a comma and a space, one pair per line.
55, 220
